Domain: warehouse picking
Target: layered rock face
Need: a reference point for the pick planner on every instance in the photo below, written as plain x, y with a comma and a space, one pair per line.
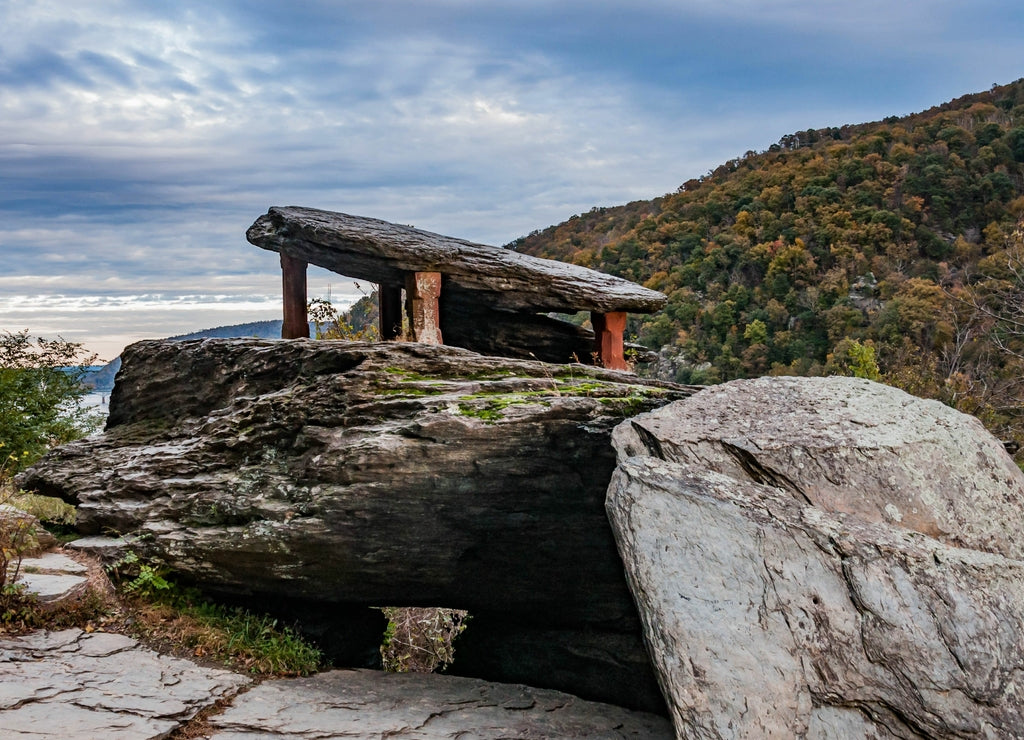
824, 558
318, 478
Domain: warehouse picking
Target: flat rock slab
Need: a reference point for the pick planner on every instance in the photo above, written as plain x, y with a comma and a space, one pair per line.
77, 685
383, 252
53, 577
52, 562
106, 549
373, 705
49, 587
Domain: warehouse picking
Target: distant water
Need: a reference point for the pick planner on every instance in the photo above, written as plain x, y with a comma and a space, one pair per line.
98, 400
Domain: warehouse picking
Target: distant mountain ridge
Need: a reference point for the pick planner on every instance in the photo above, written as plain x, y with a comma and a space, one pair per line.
258, 329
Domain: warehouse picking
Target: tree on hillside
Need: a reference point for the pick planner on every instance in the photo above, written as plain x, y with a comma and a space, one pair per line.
998, 297
41, 394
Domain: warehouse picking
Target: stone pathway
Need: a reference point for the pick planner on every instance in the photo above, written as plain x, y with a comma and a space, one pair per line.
73, 685
87, 686
370, 705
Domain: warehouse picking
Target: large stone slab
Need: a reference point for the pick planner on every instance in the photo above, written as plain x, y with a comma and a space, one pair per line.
848, 445
83, 686
767, 617
369, 705
383, 252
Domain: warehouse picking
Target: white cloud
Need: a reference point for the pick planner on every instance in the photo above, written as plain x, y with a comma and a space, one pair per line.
138, 141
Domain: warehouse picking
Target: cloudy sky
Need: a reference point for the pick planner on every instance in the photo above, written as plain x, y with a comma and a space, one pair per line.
138, 140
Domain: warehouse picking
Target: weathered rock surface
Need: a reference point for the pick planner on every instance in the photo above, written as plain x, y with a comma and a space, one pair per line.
371, 705
350, 475
774, 610
848, 445
75, 685
767, 617
383, 252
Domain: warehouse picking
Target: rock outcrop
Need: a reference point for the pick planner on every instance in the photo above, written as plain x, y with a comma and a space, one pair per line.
787, 584
383, 252
486, 299
321, 478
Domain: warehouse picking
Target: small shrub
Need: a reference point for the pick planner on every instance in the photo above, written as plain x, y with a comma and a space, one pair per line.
329, 324
419, 640
17, 538
41, 392
133, 576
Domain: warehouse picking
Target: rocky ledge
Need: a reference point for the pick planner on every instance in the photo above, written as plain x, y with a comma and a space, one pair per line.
318, 479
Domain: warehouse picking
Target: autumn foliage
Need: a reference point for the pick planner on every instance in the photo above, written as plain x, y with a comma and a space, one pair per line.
900, 239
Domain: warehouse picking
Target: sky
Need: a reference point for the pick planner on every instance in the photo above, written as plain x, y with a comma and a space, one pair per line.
139, 140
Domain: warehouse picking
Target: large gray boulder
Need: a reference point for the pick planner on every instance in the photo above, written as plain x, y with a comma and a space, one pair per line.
318, 478
849, 445
780, 597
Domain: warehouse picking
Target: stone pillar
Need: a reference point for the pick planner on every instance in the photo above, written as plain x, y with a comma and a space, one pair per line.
608, 331
389, 309
422, 289
293, 282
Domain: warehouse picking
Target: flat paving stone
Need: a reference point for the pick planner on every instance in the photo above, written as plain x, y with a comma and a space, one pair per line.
75, 685
52, 586
370, 705
51, 562
53, 577
107, 549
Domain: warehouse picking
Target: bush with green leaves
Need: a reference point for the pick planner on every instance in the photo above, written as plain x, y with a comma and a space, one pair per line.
41, 394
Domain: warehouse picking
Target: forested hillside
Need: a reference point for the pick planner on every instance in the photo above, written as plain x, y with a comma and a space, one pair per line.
897, 242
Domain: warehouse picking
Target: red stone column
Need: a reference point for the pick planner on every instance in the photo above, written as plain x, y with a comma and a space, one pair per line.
389, 309
293, 281
422, 289
608, 331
